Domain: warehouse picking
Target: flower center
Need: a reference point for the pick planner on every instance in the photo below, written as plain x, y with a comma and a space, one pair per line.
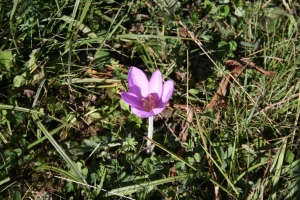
149, 105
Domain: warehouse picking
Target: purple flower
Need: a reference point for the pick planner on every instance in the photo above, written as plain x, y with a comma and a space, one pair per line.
147, 98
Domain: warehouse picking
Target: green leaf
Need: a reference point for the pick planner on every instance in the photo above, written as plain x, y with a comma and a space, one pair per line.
197, 157
6, 58
220, 152
18, 81
69, 187
193, 91
224, 11
239, 11
148, 165
180, 166
289, 157
224, 1
124, 105
16, 195
209, 6
101, 57
232, 45
31, 63
228, 153
18, 151
95, 115
224, 165
246, 44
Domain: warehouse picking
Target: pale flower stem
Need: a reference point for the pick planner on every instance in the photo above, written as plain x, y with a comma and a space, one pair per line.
150, 134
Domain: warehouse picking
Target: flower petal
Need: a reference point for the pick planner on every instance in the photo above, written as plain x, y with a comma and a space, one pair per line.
138, 82
158, 110
133, 100
168, 89
142, 113
155, 84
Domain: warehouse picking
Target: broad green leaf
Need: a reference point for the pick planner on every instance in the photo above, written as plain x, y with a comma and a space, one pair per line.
232, 45
6, 58
228, 153
224, 11
95, 115
18, 81
193, 91
224, 1
289, 157
246, 44
16, 195
239, 11
31, 63
197, 157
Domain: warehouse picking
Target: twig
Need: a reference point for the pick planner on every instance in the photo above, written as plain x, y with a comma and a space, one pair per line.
275, 105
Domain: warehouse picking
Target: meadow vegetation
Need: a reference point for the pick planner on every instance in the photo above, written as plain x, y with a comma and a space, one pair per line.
230, 130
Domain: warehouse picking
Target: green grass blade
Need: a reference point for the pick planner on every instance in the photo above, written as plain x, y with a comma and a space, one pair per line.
172, 154
31, 111
279, 165
134, 188
59, 171
59, 150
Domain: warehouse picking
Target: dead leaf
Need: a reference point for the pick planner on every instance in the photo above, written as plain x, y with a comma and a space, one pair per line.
29, 93
235, 68
219, 96
252, 65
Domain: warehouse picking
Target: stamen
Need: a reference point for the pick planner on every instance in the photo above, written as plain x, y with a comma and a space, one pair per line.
152, 101
149, 105
146, 104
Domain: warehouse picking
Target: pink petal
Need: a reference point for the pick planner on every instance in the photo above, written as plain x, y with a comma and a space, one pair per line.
155, 84
141, 113
168, 89
157, 110
132, 99
138, 82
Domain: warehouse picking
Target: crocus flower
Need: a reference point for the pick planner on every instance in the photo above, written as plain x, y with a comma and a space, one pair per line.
147, 98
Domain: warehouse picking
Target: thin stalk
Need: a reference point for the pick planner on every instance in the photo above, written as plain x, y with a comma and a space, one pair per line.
150, 134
